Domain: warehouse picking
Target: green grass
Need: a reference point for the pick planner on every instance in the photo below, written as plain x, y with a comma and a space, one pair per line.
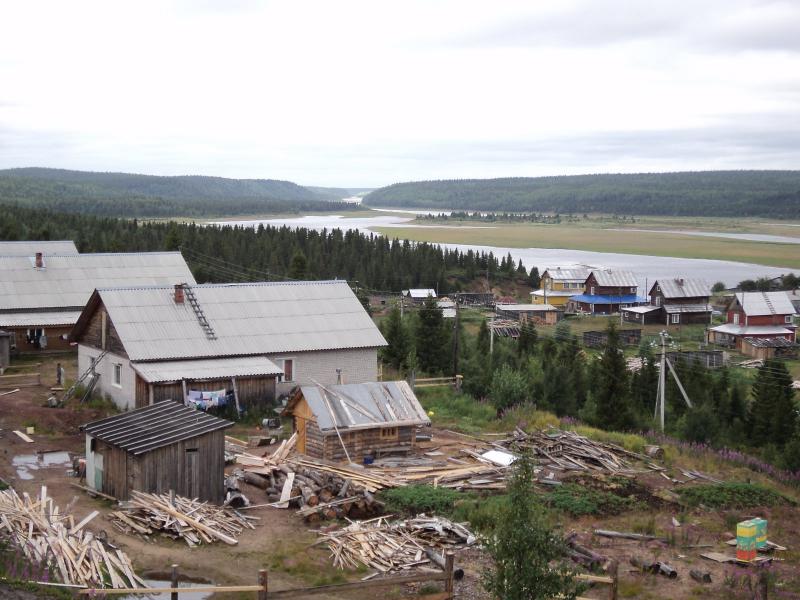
577, 501
450, 410
732, 495
414, 499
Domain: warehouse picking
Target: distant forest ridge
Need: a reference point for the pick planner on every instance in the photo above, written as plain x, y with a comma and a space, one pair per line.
148, 196
774, 194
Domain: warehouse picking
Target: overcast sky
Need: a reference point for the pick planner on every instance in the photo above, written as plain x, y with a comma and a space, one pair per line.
370, 93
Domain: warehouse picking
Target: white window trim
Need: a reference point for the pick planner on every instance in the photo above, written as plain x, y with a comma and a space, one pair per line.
282, 360
114, 382
787, 319
675, 318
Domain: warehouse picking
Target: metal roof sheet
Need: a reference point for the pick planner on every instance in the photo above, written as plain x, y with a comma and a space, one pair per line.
578, 274
641, 309
526, 307
67, 281
247, 319
421, 293
161, 424
597, 299
553, 293
615, 278
778, 342
687, 308
209, 368
683, 288
363, 405
31, 247
765, 303
39, 319
732, 329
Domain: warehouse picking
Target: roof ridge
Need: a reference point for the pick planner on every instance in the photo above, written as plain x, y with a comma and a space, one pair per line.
224, 285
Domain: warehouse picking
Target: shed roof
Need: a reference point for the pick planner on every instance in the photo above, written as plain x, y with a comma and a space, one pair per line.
683, 288
688, 308
420, 293
756, 330
31, 247
553, 293
362, 405
641, 309
597, 299
615, 278
39, 318
778, 342
247, 319
765, 303
526, 307
209, 368
578, 274
161, 424
67, 281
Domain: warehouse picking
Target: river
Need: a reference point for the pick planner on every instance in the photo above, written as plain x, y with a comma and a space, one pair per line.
647, 268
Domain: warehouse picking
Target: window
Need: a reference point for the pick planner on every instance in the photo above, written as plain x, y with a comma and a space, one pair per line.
658, 300
592, 292
287, 364
389, 433
103, 329
787, 319
676, 318
633, 290
735, 318
118, 375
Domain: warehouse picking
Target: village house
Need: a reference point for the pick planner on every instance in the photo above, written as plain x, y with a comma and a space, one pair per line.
448, 307
419, 295
366, 419
31, 247
757, 315
558, 285
537, 314
675, 301
43, 294
157, 449
176, 342
606, 292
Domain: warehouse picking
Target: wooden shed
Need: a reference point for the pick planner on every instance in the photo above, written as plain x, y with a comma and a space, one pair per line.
163, 447
366, 419
767, 348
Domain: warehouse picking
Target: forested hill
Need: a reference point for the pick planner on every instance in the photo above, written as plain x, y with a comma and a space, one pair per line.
774, 194
132, 195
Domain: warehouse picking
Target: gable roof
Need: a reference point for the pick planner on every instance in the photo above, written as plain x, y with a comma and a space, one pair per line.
420, 293
31, 247
67, 281
607, 278
160, 424
573, 274
247, 319
362, 405
757, 304
682, 288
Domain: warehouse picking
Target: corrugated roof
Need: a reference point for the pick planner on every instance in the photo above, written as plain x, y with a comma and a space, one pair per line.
526, 307
155, 426
778, 342
554, 293
597, 299
363, 405
732, 329
687, 308
31, 247
39, 319
247, 318
683, 288
572, 275
641, 309
765, 303
209, 368
421, 294
67, 281
615, 278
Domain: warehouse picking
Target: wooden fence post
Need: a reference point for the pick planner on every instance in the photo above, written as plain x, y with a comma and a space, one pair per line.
263, 579
174, 582
613, 571
449, 568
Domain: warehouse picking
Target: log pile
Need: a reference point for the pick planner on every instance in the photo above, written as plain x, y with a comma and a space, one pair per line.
389, 547
47, 537
179, 518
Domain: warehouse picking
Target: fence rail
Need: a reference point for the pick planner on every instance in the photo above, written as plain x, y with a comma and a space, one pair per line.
21, 380
456, 381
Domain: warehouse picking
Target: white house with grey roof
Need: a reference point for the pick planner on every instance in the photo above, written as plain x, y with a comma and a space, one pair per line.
31, 247
42, 294
161, 339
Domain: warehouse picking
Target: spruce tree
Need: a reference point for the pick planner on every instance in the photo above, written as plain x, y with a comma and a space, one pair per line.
611, 392
773, 417
431, 338
394, 330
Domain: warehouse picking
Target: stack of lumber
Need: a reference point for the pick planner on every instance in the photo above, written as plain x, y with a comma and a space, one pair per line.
76, 556
389, 547
266, 464
179, 518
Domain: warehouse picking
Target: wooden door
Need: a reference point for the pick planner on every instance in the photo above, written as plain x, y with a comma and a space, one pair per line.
98, 472
192, 473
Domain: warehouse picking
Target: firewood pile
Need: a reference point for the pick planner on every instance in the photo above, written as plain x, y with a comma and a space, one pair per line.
179, 518
51, 538
389, 547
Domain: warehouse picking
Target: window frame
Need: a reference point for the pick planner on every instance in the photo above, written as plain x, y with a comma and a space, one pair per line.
293, 369
389, 433
116, 375
675, 318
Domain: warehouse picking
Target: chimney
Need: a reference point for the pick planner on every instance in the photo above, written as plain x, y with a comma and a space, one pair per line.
39, 261
179, 293
680, 282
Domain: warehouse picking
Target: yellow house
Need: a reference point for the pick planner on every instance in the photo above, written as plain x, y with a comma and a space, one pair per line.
558, 285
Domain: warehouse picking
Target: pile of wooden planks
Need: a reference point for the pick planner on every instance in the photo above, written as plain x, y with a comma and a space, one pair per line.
46, 536
395, 546
179, 518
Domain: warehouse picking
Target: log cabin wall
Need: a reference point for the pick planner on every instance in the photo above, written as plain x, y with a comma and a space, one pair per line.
254, 392
361, 442
93, 334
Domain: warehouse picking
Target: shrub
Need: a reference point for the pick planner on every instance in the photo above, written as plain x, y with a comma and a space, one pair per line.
481, 513
413, 499
731, 495
577, 501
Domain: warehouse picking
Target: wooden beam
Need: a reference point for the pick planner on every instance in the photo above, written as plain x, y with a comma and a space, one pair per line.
23, 437
168, 590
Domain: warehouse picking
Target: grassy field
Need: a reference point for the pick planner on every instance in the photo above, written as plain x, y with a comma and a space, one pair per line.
591, 237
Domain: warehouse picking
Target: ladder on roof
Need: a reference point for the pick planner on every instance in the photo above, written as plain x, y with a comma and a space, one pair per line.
90, 371
198, 311
768, 302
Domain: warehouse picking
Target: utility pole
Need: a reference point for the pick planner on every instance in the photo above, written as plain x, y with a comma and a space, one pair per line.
491, 335
662, 377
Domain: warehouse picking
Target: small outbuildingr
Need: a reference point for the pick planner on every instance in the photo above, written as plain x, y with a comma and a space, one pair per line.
539, 314
767, 348
156, 449
367, 419
644, 315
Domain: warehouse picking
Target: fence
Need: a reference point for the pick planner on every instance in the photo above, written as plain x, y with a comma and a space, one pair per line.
611, 580
455, 381
263, 592
21, 380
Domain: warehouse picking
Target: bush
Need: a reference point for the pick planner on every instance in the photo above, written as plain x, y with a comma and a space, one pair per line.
482, 513
731, 495
413, 499
577, 501
457, 411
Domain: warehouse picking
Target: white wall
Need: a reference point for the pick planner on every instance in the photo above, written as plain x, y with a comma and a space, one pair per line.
357, 365
124, 396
